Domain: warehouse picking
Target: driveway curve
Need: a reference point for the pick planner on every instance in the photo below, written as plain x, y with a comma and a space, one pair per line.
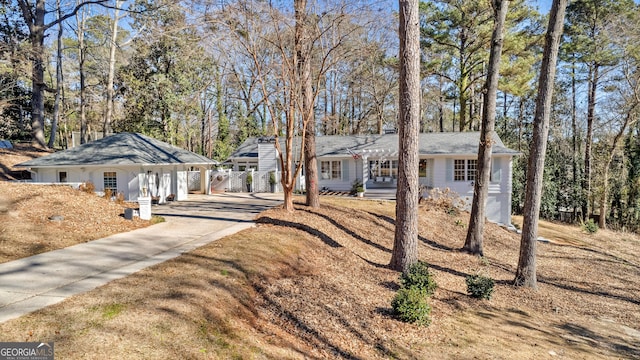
38, 281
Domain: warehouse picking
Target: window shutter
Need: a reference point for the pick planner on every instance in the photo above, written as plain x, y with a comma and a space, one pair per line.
449, 170
345, 169
496, 170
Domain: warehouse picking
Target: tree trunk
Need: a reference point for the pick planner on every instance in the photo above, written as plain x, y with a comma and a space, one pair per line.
34, 17
440, 105
526, 271
107, 127
81, 55
474, 240
602, 221
574, 142
462, 99
36, 34
56, 104
308, 114
591, 105
405, 247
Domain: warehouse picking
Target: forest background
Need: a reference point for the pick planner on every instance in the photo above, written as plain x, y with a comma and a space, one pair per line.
205, 75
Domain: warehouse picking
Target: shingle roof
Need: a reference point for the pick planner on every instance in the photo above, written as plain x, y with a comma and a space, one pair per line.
120, 149
454, 143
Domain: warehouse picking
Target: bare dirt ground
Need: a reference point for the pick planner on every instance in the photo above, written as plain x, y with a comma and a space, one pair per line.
314, 285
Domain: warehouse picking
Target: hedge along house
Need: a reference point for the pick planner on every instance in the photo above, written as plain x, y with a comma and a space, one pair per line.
128, 163
447, 161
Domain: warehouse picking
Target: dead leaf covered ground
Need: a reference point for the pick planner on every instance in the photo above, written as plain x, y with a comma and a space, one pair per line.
314, 285
28, 223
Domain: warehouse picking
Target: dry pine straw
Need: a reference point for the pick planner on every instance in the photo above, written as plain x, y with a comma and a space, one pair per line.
361, 242
26, 228
314, 284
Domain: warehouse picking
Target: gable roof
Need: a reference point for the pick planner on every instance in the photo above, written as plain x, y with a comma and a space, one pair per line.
120, 149
447, 143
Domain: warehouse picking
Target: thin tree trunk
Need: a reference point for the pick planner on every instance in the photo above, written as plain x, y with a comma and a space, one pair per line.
405, 247
520, 122
591, 104
81, 56
574, 142
462, 99
602, 221
440, 106
107, 127
56, 104
474, 240
526, 271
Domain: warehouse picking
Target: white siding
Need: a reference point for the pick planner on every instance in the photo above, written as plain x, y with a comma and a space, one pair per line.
267, 156
499, 197
348, 170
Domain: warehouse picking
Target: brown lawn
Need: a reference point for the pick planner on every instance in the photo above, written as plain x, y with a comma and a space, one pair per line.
26, 209
314, 284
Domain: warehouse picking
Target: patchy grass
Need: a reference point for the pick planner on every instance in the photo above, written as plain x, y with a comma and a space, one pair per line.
314, 284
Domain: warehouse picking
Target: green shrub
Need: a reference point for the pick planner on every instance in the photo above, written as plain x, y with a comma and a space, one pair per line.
356, 187
410, 305
418, 276
479, 286
590, 226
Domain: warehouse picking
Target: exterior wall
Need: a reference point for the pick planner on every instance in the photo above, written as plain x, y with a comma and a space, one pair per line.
181, 182
131, 180
499, 197
268, 156
440, 175
348, 172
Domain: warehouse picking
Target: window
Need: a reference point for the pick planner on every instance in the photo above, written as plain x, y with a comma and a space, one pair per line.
472, 166
422, 168
110, 181
331, 170
458, 170
62, 176
386, 169
465, 170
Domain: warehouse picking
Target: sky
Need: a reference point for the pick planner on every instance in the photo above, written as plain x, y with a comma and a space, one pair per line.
543, 5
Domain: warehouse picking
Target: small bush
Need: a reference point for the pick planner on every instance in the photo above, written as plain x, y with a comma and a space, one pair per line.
356, 186
479, 286
410, 305
156, 219
590, 226
88, 187
107, 194
418, 276
120, 198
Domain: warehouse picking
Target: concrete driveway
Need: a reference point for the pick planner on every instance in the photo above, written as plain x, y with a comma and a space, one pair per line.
32, 283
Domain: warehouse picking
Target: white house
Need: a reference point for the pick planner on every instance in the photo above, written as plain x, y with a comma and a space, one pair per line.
447, 160
128, 163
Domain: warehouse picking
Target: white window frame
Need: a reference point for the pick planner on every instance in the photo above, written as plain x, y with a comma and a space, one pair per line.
108, 180
465, 169
333, 169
